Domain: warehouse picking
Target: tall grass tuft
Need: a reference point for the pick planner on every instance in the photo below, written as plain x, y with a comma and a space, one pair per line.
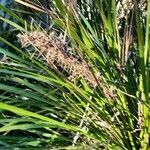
76, 76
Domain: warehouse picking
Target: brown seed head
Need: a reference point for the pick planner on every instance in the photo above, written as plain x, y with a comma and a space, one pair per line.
53, 49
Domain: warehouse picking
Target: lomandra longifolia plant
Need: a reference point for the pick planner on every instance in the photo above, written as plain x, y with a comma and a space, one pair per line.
82, 84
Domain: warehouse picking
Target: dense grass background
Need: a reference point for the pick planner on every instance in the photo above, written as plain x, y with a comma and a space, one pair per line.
40, 108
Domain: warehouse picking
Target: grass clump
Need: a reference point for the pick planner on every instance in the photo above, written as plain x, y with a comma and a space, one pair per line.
77, 79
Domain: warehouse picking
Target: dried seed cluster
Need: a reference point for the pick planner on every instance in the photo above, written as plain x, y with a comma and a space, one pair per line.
54, 51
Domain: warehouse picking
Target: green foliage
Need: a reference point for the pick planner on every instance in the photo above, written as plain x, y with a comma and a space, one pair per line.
41, 108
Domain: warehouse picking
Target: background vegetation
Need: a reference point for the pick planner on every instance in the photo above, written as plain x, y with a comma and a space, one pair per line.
41, 108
